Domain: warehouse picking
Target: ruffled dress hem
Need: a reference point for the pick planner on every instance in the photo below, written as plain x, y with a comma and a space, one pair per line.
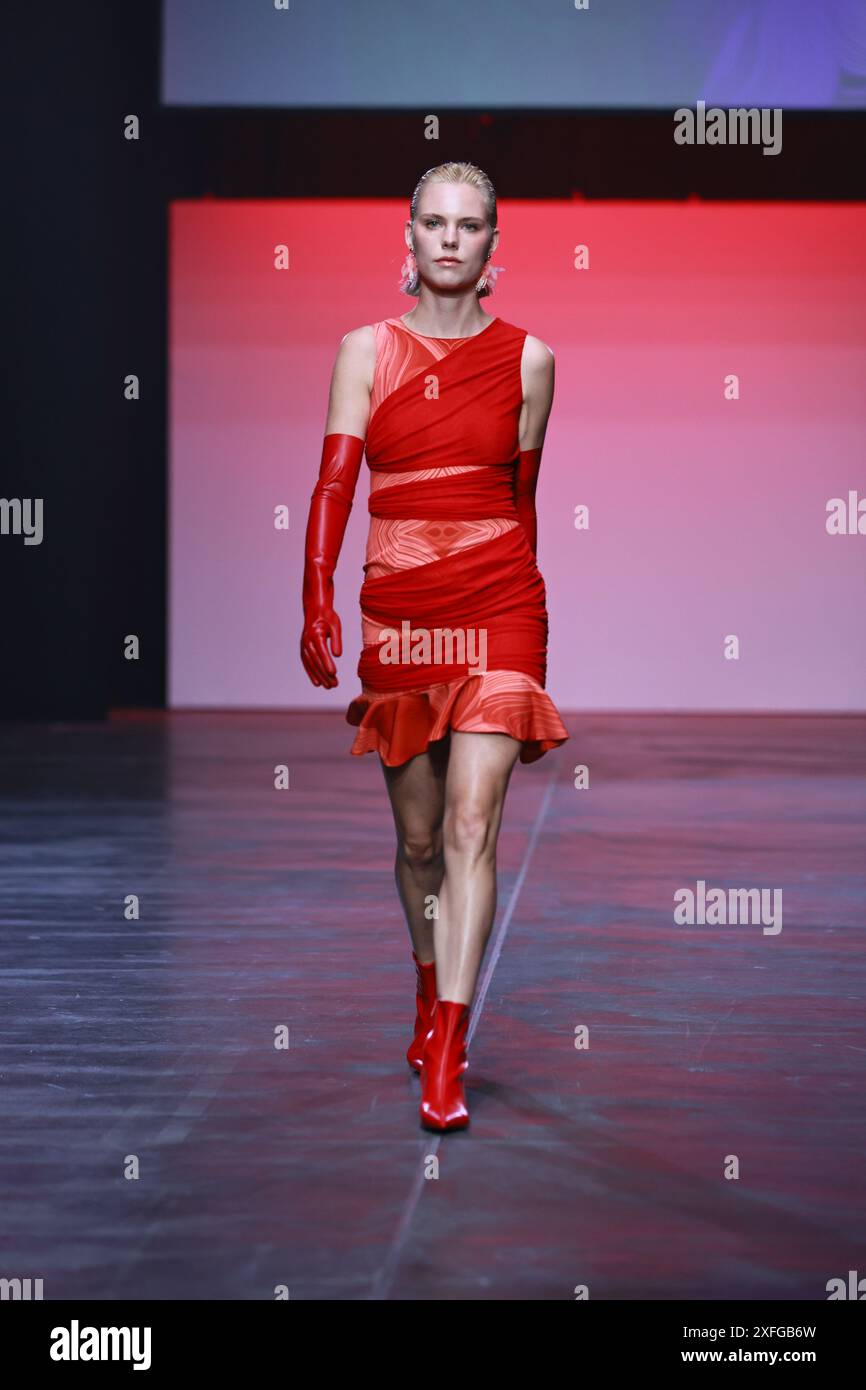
400, 726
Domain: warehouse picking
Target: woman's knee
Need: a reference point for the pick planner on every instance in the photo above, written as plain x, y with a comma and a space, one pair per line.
470, 829
421, 847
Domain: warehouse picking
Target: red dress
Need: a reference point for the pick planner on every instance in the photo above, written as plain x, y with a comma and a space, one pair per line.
453, 608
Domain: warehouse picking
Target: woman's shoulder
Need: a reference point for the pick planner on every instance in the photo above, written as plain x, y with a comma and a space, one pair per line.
359, 339
535, 352
358, 347
537, 356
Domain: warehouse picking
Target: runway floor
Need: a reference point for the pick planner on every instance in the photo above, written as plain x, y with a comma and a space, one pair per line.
148, 1046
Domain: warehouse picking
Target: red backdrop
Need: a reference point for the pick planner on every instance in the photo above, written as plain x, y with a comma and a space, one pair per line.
707, 516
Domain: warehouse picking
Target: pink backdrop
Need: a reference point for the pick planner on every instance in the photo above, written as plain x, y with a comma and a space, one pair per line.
707, 516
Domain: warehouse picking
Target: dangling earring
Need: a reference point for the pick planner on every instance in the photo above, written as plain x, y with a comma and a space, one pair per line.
409, 275
488, 278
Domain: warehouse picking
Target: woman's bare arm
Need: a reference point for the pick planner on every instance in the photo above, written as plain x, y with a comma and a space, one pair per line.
537, 374
537, 377
352, 383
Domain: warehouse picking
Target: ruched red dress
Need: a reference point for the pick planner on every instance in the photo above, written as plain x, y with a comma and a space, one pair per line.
446, 552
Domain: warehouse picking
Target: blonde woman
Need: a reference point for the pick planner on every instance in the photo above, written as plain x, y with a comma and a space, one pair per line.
450, 405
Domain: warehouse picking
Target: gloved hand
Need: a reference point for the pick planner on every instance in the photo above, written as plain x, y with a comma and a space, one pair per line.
525, 479
330, 505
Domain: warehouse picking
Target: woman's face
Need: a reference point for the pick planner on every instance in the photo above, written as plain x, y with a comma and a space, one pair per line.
451, 236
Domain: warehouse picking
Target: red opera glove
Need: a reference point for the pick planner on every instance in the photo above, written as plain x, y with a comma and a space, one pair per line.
525, 479
330, 505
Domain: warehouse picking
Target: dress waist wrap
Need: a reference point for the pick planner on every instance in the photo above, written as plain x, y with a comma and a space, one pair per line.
491, 592
472, 496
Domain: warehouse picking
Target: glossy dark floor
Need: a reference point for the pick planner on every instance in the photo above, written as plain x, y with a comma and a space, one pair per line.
152, 1041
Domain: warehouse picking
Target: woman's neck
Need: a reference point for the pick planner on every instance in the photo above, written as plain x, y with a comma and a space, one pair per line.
445, 318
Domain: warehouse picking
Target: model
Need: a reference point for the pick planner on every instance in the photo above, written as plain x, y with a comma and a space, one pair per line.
451, 405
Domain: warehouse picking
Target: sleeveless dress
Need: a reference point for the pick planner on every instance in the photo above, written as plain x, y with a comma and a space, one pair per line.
453, 607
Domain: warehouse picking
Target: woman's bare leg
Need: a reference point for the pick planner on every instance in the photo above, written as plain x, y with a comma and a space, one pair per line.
479, 768
416, 790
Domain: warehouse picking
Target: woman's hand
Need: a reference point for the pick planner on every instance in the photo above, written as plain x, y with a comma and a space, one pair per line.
321, 626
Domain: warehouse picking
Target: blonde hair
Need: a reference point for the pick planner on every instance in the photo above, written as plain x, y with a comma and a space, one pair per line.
453, 172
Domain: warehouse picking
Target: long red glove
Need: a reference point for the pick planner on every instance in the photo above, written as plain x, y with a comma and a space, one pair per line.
330, 505
525, 479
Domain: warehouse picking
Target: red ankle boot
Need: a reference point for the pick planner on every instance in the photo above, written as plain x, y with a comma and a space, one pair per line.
443, 1104
425, 998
